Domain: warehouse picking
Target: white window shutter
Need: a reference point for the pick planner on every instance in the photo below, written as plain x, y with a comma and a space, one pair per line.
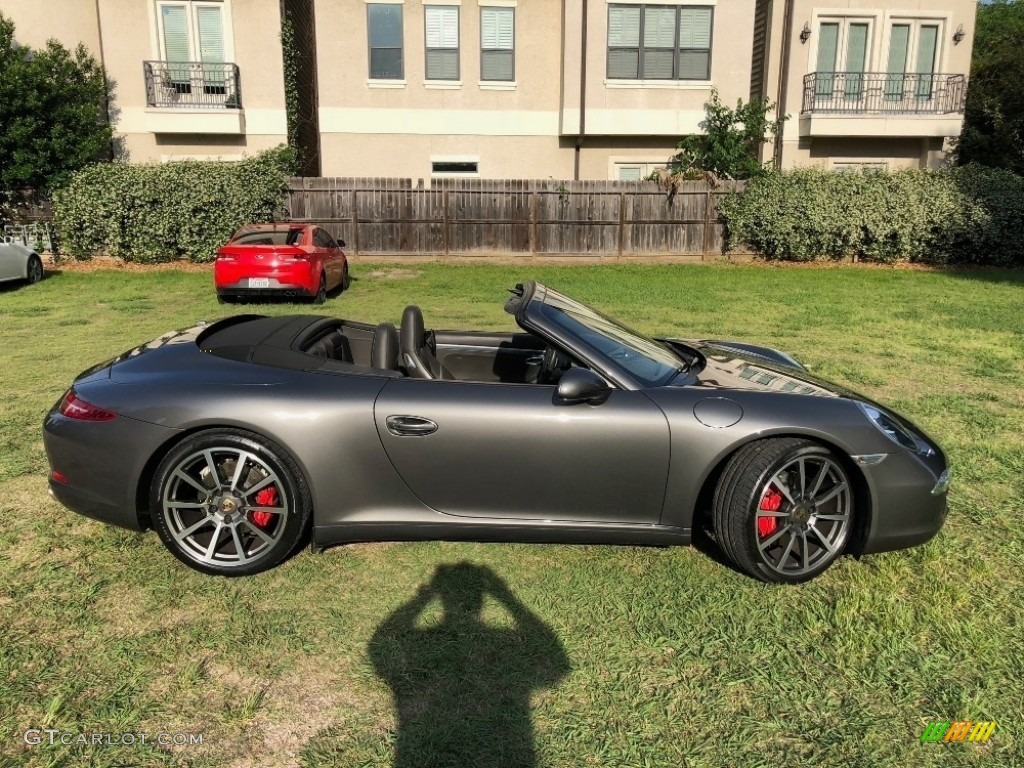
623, 26
442, 27
659, 27
497, 28
694, 27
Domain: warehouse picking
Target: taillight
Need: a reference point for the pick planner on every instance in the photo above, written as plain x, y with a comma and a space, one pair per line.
74, 407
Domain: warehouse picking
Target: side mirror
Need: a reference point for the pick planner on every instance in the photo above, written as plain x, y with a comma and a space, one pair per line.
341, 243
579, 385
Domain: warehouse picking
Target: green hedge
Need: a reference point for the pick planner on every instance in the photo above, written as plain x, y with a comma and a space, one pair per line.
163, 212
965, 215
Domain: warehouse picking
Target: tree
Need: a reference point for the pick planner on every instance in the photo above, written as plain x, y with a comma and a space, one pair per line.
993, 131
731, 143
52, 113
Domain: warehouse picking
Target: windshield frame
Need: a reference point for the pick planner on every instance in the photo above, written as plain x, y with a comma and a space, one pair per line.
543, 311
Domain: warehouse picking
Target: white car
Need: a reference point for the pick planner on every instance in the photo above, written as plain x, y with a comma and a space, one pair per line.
18, 262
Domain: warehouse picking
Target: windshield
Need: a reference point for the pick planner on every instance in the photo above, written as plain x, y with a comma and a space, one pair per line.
647, 361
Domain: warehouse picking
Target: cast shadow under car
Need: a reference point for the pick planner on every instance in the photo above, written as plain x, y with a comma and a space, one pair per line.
462, 685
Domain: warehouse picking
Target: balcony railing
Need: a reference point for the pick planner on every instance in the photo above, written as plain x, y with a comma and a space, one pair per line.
192, 85
881, 93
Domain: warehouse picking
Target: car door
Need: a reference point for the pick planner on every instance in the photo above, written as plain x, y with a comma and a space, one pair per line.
515, 451
331, 256
12, 261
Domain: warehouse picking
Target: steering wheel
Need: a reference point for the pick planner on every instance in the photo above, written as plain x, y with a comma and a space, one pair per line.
553, 365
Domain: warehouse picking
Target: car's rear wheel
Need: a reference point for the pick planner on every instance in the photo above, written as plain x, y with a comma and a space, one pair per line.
229, 502
783, 509
35, 270
321, 292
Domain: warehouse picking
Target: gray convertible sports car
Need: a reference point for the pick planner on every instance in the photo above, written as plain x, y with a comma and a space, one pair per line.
239, 441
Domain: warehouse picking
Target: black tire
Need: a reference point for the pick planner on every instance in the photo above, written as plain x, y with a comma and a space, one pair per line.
34, 270
783, 509
345, 279
321, 292
221, 299
230, 524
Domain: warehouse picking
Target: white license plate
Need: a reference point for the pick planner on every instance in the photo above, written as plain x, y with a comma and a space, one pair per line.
259, 282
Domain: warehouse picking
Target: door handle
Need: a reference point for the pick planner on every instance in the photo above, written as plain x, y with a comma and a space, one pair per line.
403, 426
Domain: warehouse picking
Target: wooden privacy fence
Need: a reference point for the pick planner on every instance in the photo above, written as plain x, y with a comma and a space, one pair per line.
384, 216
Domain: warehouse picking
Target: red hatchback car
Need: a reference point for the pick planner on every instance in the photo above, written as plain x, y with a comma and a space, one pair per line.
275, 259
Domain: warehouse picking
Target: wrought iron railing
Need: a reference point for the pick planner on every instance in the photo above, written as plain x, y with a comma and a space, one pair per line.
192, 85
859, 93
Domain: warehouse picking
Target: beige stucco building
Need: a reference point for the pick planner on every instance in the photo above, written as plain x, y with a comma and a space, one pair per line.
865, 83
573, 103
603, 89
192, 78
588, 89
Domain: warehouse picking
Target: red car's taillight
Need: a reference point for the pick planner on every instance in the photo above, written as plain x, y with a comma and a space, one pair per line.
74, 407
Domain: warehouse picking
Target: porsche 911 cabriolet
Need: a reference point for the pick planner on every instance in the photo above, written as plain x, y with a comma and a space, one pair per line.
240, 440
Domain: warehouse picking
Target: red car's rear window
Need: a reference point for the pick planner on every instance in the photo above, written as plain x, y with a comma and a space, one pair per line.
276, 237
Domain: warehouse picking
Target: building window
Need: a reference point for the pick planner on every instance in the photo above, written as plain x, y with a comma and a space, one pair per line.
859, 166
442, 42
384, 22
913, 52
497, 44
193, 32
659, 42
843, 47
635, 171
454, 168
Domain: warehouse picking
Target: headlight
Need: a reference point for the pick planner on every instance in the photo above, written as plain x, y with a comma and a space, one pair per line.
895, 431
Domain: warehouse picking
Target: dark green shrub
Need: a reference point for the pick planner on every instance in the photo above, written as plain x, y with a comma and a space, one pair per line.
995, 232
970, 214
163, 212
52, 113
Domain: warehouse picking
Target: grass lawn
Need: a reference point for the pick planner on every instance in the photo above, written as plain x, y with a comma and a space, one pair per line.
643, 657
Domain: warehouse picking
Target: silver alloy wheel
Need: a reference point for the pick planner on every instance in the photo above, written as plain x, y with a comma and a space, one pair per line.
35, 271
225, 506
803, 515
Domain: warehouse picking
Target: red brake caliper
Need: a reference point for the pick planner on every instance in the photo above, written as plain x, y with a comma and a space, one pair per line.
264, 498
770, 502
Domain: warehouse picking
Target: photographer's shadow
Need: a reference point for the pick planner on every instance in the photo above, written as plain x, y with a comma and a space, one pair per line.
462, 686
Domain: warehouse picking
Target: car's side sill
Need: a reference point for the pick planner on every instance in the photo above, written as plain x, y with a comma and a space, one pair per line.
529, 533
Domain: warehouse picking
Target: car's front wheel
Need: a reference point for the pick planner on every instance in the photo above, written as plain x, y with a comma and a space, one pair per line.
783, 509
229, 502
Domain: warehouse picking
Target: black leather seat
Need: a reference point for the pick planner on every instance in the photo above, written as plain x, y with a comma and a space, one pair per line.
418, 358
384, 350
333, 345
